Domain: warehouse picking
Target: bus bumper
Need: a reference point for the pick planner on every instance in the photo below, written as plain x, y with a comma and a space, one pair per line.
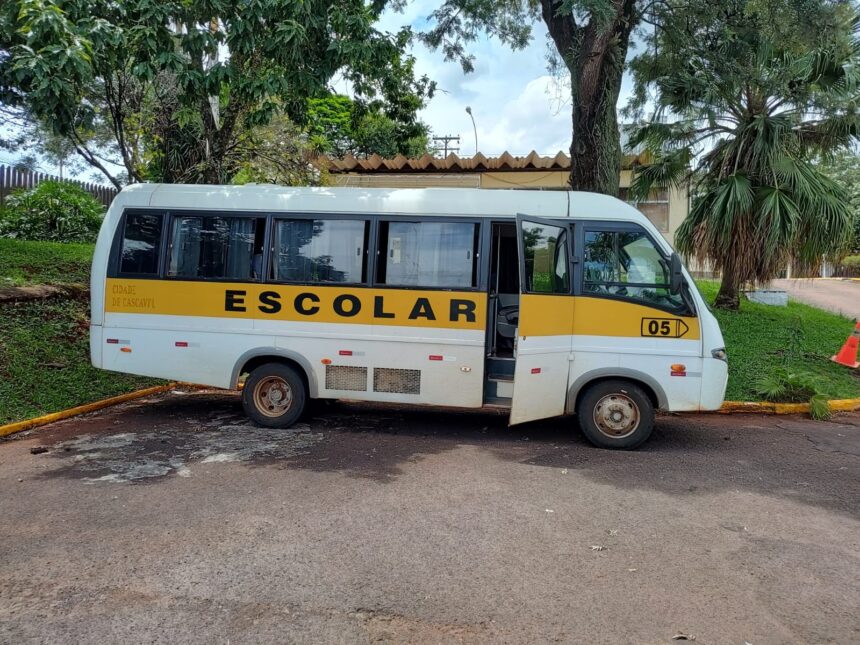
96, 344
715, 376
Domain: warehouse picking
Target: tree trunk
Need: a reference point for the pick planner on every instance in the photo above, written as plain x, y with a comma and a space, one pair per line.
728, 297
595, 149
594, 54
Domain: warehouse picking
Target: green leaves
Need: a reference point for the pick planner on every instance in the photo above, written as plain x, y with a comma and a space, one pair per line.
52, 211
181, 81
339, 126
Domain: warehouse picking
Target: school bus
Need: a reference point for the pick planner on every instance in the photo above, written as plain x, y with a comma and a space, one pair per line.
545, 303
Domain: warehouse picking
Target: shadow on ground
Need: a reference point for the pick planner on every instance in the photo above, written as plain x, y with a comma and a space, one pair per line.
812, 463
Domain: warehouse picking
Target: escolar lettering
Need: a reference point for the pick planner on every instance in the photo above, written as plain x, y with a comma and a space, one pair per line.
346, 305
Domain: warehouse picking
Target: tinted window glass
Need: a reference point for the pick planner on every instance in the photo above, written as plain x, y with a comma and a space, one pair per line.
216, 247
320, 250
429, 254
547, 269
141, 244
627, 264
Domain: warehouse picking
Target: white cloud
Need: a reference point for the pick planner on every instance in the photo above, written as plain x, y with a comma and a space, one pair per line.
519, 119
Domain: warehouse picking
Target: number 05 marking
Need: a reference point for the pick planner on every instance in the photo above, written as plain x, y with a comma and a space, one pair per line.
664, 327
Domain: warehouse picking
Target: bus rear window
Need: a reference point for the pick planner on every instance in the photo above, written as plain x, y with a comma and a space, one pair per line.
141, 244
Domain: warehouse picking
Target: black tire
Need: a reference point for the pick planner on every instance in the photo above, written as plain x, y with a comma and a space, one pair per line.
616, 414
266, 388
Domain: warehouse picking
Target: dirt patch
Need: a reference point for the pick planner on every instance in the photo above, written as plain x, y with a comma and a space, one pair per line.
42, 292
175, 449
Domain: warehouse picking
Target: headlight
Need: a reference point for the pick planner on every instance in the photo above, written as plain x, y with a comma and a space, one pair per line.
720, 354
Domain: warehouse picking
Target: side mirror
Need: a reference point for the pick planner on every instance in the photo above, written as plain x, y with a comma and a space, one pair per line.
676, 275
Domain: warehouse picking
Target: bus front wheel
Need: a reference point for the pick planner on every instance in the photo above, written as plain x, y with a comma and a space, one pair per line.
274, 395
616, 414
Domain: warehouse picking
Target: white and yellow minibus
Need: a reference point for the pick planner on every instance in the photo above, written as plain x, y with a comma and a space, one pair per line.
543, 303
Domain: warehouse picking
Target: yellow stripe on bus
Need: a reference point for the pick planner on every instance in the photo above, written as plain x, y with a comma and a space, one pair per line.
552, 315
541, 315
402, 307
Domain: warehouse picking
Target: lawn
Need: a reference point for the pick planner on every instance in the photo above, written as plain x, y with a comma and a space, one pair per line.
44, 263
800, 338
45, 360
44, 344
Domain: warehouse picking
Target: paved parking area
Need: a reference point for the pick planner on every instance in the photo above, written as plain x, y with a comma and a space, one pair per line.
838, 296
176, 521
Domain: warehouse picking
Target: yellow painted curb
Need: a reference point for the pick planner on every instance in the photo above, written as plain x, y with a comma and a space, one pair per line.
765, 407
729, 407
19, 426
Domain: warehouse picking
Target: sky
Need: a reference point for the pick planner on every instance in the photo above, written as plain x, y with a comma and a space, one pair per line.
518, 107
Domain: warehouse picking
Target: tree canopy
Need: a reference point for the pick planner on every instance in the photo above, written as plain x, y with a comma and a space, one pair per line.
338, 126
746, 95
181, 84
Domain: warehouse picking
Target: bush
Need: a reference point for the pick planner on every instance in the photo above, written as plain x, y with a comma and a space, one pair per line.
52, 211
852, 262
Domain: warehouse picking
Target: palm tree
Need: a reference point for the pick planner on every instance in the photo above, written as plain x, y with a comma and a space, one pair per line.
748, 119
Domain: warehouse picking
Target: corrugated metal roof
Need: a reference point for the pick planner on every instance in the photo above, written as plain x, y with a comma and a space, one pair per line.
455, 164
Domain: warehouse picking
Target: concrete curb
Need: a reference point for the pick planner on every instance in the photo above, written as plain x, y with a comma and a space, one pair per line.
766, 407
729, 407
19, 426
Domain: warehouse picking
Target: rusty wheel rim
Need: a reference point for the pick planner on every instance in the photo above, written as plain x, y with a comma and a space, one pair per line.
273, 396
616, 415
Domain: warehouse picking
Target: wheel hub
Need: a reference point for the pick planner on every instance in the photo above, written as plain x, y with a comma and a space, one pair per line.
273, 396
616, 415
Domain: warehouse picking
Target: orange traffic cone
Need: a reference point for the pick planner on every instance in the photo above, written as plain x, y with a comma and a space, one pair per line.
847, 356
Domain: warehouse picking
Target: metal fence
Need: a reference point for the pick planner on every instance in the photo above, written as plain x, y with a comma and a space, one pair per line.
13, 179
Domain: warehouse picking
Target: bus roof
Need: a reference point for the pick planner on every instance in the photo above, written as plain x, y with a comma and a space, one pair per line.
470, 202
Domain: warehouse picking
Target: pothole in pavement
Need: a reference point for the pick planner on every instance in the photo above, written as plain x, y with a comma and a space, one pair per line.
171, 450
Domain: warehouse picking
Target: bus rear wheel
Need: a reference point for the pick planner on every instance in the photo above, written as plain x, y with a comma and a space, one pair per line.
616, 414
274, 395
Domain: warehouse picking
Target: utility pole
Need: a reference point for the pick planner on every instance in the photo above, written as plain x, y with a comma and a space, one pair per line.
441, 143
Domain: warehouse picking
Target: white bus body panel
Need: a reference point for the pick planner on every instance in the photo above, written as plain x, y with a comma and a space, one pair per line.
540, 378
216, 345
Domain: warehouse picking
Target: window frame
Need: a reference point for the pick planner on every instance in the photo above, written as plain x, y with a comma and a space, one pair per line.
478, 260
167, 225
572, 228
596, 226
167, 215
269, 254
114, 269
666, 201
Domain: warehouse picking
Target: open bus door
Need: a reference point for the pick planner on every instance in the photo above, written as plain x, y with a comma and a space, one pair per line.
544, 340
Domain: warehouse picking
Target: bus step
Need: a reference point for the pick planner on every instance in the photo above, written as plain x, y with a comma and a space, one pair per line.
499, 388
497, 402
500, 368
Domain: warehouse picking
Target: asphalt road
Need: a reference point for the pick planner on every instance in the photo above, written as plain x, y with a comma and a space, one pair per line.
838, 296
175, 521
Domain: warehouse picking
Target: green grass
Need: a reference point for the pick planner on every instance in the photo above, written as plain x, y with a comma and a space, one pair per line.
799, 338
45, 361
23, 263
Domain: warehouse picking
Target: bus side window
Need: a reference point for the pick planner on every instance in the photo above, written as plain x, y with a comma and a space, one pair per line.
627, 265
320, 250
546, 261
428, 254
141, 244
215, 247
